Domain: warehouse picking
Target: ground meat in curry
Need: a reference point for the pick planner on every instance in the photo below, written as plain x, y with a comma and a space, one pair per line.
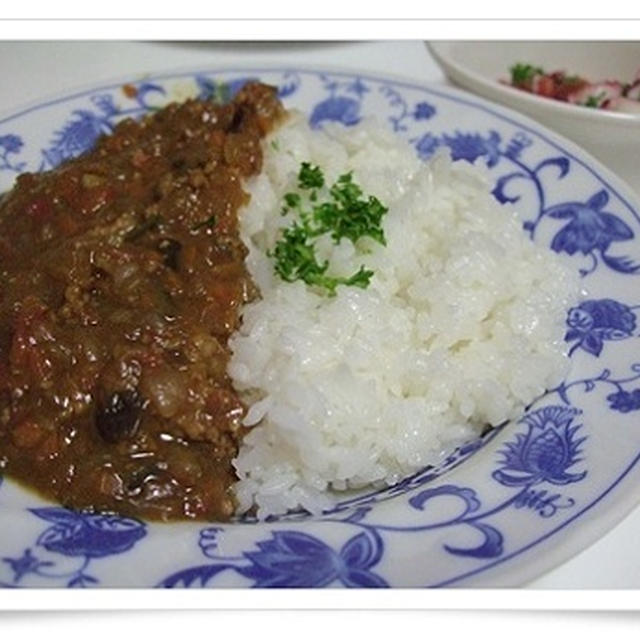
122, 279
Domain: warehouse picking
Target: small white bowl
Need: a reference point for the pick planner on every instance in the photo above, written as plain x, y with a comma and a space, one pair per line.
611, 136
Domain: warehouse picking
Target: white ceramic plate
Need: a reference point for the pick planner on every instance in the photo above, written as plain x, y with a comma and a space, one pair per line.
498, 512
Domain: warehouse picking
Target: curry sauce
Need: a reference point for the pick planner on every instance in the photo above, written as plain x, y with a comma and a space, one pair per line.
122, 279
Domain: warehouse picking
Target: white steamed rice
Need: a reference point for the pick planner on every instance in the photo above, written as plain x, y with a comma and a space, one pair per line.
462, 324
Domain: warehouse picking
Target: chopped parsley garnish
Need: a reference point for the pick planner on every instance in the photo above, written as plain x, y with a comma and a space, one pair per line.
523, 73
346, 214
310, 177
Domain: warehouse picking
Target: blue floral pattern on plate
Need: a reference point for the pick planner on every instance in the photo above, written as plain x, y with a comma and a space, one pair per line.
479, 517
77, 535
593, 322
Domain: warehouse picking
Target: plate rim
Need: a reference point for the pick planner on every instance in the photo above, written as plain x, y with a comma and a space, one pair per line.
462, 95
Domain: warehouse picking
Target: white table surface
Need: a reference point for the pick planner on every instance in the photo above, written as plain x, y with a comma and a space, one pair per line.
31, 70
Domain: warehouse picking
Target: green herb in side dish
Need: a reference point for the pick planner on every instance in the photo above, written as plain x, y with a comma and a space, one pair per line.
344, 215
524, 73
594, 101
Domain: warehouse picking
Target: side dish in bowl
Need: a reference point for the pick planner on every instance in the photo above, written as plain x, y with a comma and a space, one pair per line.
611, 135
610, 94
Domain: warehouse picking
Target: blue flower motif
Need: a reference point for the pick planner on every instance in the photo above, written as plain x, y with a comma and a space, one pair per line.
87, 534
221, 91
424, 111
337, 109
591, 229
290, 84
624, 401
11, 143
545, 452
358, 87
471, 146
426, 145
295, 559
25, 564
594, 321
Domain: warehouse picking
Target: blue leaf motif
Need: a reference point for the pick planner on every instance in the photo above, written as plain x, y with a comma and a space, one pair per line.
562, 211
622, 264
90, 535
573, 334
358, 555
471, 503
561, 162
592, 344
491, 547
598, 200
81, 580
363, 579
498, 191
202, 574
615, 228
57, 515
362, 551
